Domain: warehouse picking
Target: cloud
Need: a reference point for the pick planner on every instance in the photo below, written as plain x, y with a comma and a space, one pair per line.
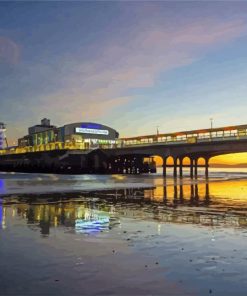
92, 89
209, 32
139, 61
160, 49
9, 51
79, 108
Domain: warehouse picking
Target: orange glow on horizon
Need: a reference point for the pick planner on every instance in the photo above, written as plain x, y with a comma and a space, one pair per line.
220, 191
231, 159
228, 159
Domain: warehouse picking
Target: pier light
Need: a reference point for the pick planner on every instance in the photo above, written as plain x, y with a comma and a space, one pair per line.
211, 123
157, 129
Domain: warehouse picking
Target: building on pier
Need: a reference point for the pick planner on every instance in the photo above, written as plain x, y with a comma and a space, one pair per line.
81, 147
81, 135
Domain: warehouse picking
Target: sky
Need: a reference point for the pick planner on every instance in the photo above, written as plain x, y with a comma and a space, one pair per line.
129, 65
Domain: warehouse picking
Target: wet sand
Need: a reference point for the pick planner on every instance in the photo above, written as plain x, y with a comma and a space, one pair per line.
175, 239
93, 265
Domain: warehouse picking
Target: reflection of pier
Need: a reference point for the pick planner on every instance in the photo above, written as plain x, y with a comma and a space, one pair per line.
180, 193
172, 203
174, 193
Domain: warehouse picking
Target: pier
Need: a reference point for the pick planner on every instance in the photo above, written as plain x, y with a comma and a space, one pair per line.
112, 155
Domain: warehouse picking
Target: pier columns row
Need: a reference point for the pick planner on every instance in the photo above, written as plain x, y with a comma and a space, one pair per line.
178, 192
178, 163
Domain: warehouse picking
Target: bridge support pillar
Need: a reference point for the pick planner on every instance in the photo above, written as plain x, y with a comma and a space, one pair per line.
165, 193
164, 166
181, 167
207, 196
196, 167
175, 168
175, 192
206, 167
191, 168
181, 192
196, 192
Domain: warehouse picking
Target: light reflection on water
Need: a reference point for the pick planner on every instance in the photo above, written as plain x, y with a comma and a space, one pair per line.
18, 183
214, 203
187, 235
2, 186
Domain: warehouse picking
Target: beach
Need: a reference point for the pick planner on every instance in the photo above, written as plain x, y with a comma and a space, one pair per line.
123, 234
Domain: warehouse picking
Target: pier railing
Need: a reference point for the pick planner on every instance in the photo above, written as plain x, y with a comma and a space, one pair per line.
234, 133
191, 137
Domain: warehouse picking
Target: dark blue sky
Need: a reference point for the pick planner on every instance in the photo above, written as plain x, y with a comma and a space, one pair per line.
130, 65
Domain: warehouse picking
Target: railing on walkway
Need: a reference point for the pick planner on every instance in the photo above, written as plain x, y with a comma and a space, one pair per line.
190, 137
196, 136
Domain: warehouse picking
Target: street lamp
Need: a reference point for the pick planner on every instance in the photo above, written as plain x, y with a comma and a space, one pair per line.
157, 129
211, 121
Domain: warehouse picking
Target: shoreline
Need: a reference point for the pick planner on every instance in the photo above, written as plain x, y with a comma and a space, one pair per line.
154, 181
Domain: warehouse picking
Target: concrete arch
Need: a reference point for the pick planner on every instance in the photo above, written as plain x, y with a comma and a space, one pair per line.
170, 160
201, 160
186, 160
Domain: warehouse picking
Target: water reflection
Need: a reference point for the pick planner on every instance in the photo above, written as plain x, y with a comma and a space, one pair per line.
79, 215
2, 186
1, 214
93, 221
179, 193
203, 203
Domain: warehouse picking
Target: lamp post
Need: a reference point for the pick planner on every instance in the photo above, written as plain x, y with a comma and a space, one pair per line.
211, 125
157, 127
211, 122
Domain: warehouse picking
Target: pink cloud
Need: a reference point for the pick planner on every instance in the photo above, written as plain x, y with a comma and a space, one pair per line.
100, 86
156, 50
210, 32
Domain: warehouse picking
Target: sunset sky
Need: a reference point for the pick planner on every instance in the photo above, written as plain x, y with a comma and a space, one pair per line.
130, 65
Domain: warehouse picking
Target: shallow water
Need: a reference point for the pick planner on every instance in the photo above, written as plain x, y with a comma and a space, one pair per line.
136, 235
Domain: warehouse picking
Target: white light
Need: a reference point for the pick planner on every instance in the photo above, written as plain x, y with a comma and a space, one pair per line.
91, 131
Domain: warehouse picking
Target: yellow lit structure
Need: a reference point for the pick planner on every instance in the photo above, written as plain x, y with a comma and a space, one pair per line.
191, 137
76, 142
